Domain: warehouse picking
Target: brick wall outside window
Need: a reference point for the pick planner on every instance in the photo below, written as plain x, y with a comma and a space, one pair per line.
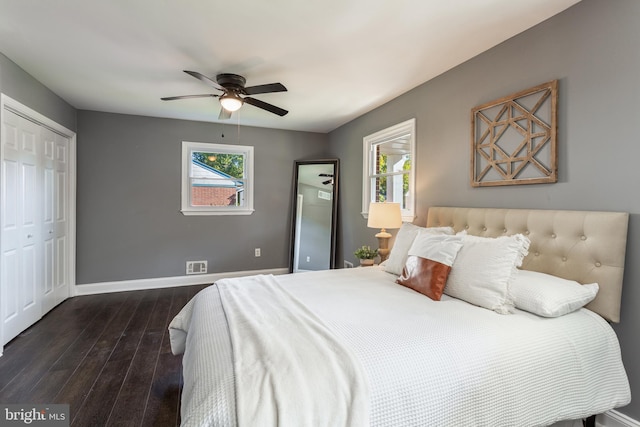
213, 196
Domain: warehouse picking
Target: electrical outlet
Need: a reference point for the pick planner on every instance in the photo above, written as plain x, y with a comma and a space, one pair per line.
308, 259
257, 252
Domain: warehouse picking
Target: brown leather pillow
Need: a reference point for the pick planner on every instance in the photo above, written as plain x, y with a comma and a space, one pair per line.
425, 276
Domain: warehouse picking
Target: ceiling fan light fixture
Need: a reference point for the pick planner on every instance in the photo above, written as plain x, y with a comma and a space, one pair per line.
231, 102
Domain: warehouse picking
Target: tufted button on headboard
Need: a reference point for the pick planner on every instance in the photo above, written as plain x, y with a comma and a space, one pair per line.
583, 246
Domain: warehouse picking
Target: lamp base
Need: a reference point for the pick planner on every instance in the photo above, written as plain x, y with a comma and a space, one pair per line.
383, 244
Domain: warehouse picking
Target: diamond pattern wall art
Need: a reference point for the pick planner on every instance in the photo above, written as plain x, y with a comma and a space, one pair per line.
514, 138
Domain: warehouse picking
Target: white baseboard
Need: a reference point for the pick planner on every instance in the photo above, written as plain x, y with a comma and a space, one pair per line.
614, 418
164, 282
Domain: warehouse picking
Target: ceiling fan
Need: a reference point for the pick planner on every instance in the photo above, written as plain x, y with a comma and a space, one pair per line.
233, 86
327, 175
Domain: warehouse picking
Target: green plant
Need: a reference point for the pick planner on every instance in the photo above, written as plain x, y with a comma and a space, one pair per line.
365, 252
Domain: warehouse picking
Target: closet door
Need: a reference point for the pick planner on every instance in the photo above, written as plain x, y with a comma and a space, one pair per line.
21, 222
62, 218
55, 218
48, 222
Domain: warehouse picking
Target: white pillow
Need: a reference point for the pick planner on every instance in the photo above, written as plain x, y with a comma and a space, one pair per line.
442, 248
550, 296
484, 268
404, 239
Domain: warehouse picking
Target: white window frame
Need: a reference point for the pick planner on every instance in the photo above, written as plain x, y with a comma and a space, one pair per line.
385, 135
208, 147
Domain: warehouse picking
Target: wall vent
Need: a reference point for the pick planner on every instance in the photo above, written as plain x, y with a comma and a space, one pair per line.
196, 267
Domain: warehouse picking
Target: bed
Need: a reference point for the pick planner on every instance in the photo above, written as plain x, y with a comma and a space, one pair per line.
353, 347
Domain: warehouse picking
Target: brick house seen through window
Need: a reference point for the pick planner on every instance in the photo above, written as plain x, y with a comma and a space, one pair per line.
211, 187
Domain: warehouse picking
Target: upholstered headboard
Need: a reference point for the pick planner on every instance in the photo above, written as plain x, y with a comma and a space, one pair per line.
583, 246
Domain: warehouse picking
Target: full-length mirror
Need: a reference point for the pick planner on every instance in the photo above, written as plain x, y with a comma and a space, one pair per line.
315, 209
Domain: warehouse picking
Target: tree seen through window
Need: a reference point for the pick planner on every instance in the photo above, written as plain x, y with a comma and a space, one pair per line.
230, 164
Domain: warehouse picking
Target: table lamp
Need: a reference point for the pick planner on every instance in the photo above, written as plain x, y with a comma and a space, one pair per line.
383, 216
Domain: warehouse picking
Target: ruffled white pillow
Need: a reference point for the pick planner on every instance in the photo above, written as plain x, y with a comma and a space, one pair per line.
550, 296
404, 239
484, 268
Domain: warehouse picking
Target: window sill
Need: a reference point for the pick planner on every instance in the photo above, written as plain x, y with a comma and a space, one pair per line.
190, 212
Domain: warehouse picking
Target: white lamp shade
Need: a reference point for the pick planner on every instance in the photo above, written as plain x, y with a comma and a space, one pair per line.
384, 215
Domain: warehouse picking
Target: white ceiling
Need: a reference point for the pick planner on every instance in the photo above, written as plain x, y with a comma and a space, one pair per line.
338, 58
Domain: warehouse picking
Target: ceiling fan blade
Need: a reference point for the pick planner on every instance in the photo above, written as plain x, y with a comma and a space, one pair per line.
172, 98
265, 106
271, 87
224, 114
205, 79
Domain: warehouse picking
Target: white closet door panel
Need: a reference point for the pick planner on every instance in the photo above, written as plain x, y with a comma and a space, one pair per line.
9, 262
61, 217
21, 224
61, 149
61, 195
30, 222
49, 141
29, 290
28, 136
62, 276
10, 141
29, 194
49, 299
49, 265
49, 197
9, 198
10, 295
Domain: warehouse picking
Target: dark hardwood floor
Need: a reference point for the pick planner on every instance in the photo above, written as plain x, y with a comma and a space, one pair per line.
108, 356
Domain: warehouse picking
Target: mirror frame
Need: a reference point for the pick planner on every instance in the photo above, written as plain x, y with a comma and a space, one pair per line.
334, 208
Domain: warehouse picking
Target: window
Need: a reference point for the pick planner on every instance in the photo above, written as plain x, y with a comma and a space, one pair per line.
388, 174
217, 179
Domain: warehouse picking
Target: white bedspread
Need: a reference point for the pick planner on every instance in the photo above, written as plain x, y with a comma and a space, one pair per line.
449, 363
289, 368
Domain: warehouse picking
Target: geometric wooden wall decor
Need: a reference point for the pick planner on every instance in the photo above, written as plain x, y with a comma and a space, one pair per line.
514, 138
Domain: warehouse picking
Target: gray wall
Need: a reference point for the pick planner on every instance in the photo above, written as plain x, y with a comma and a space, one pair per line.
592, 48
19, 85
129, 221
